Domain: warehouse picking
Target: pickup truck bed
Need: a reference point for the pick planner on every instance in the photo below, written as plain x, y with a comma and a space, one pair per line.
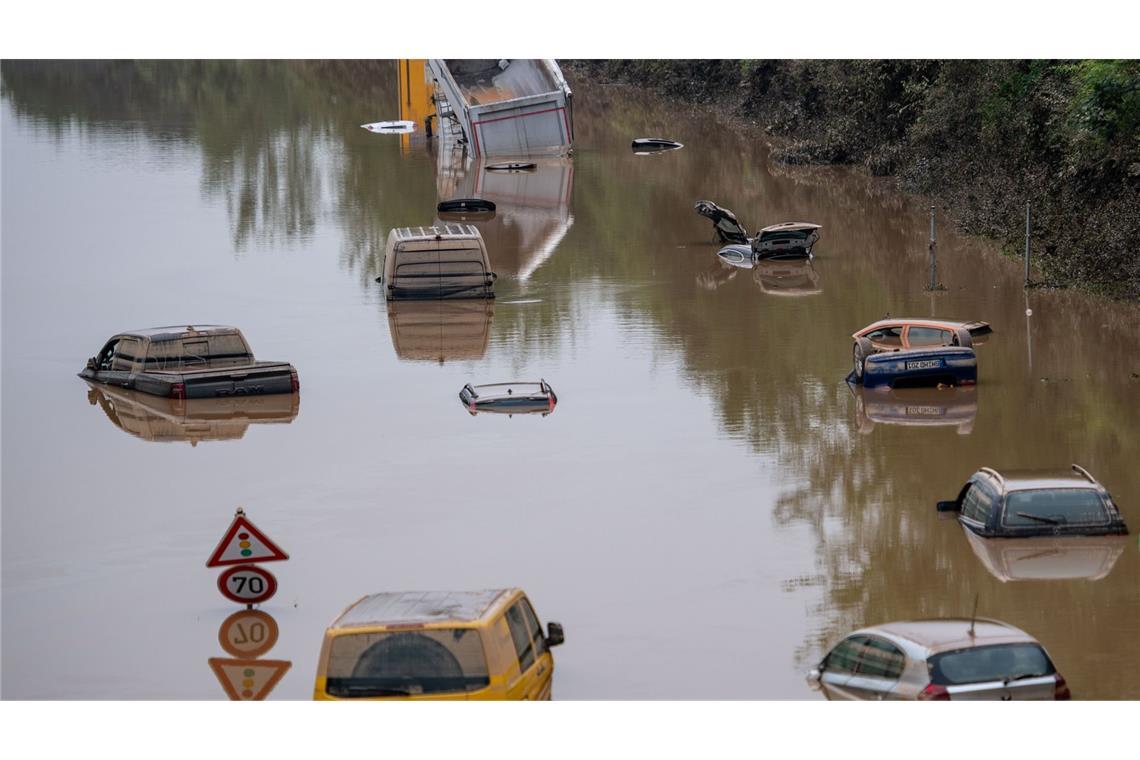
208, 382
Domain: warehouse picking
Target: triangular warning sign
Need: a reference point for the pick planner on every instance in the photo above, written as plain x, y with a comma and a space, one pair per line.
244, 543
248, 680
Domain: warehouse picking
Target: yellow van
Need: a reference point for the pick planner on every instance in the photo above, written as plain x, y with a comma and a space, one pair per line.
438, 645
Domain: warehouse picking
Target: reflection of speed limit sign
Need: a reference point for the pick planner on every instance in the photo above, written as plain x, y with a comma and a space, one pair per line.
248, 633
247, 584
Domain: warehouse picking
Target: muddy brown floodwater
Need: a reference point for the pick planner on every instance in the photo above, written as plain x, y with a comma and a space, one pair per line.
706, 510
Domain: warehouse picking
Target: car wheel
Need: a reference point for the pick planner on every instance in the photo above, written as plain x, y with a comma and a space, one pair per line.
857, 358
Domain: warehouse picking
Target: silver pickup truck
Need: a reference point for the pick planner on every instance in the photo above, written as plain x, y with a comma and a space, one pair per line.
206, 361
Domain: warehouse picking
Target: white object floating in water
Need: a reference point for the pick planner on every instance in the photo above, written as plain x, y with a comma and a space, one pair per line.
391, 127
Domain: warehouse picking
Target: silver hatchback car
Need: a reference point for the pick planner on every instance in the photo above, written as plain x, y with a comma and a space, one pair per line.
948, 659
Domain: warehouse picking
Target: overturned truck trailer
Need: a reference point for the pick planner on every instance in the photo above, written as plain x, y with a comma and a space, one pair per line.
505, 107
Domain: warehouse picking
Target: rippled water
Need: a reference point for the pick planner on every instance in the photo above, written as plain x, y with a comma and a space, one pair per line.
706, 510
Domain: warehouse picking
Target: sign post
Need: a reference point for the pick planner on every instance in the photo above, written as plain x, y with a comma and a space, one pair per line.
241, 545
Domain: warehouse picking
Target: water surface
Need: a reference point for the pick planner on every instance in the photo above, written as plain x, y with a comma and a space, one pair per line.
706, 510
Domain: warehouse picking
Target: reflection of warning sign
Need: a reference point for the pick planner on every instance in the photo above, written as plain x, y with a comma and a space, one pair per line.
244, 543
246, 680
248, 633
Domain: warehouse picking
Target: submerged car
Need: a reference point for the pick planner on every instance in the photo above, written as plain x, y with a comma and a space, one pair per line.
438, 645
445, 261
948, 659
786, 240
900, 352
509, 398
203, 361
1022, 504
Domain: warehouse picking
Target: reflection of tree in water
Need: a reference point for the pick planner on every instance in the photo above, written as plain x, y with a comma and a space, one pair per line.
279, 140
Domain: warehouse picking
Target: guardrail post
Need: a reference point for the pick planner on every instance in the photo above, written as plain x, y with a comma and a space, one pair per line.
1028, 229
933, 254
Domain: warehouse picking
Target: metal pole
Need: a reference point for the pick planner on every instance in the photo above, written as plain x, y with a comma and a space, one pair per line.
933, 254
1027, 232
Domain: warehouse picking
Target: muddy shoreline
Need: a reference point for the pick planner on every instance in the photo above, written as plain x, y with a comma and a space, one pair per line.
916, 124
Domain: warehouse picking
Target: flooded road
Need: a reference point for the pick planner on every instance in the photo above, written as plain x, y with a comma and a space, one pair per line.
708, 508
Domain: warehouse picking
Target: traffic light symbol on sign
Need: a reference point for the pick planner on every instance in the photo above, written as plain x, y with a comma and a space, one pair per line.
248, 680
243, 542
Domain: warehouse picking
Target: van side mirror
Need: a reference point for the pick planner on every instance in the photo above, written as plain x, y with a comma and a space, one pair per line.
91, 363
554, 634
948, 506
814, 679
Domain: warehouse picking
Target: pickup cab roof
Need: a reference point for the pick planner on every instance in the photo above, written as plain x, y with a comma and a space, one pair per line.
180, 331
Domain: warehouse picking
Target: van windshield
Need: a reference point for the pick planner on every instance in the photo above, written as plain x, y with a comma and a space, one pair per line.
404, 663
1066, 506
993, 663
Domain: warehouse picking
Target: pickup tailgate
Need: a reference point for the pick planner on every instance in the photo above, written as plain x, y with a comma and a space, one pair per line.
242, 380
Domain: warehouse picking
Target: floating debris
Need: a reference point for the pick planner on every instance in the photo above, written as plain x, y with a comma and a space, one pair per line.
512, 166
644, 146
390, 127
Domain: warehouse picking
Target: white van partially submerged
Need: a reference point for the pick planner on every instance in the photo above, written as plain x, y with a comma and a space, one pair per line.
446, 261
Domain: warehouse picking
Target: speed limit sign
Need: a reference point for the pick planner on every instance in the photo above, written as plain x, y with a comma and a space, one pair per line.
247, 584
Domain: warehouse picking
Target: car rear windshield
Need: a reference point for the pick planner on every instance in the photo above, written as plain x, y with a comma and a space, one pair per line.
990, 663
1065, 506
406, 663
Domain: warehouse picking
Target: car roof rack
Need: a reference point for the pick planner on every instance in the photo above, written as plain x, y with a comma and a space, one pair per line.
993, 474
1084, 473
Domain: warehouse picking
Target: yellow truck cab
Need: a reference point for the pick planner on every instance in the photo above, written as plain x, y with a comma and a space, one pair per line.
438, 645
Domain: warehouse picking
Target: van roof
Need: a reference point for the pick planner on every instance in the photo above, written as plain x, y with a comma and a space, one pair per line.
419, 607
444, 231
177, 331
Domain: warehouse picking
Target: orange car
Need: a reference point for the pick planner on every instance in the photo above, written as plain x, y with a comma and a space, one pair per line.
901, 333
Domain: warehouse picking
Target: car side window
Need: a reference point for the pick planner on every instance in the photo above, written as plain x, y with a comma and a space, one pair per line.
125, 353
886, 336
928, 336
977, 504
520, 633
880, 659
845, 656
107, 355
533, 627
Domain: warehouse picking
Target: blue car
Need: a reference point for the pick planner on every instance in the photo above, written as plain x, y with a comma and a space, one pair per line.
902, 353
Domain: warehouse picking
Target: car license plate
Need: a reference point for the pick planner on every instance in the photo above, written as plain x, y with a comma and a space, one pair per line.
924, 364
925, 411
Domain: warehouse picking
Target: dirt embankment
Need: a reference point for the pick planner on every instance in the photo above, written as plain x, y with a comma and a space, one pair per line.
982, 137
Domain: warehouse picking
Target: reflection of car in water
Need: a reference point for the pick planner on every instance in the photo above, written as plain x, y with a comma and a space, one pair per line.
509, 398
787, 277
153, 418
1023, 504
438, 645
950, 659
775, 277
1047, 557
532, 213
440, 330
922, 407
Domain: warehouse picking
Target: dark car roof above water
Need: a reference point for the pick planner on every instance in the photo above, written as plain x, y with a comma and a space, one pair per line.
1030, 480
